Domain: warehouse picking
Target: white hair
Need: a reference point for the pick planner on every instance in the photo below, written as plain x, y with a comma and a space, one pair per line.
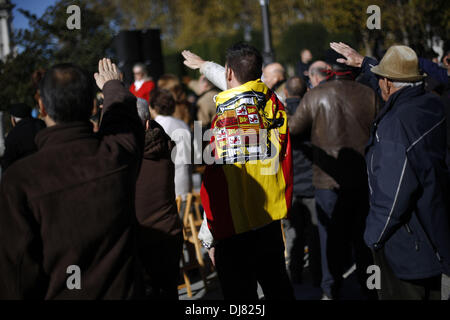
399, 84
143, 111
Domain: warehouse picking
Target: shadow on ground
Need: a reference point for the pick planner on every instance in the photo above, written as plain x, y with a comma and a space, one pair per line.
303, 291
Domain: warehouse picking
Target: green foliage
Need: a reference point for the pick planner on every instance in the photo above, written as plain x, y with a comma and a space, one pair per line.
210, 50
50, 42
300, 36
59, 44
313, 36
15, 78
208, 27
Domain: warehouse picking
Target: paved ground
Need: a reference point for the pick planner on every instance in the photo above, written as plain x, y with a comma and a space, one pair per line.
304, 291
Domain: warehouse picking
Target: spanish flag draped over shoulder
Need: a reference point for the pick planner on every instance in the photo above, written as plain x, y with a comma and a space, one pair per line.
250, 183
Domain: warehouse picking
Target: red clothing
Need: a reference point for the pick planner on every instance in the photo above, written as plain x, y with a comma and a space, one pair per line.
144, 90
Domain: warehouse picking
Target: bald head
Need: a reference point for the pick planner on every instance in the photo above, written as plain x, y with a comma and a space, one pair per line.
273, 73
318, 72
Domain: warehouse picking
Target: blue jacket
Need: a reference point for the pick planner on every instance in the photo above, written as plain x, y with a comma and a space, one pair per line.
409, 185
434, 70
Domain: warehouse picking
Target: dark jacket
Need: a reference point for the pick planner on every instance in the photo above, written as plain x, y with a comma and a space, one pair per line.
409, 185
301, 157
339, 113
160, 229
20, 141
156, 208
301, 69
72, 203
446, 101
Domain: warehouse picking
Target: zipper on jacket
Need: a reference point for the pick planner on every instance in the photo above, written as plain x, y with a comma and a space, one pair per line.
408, 229
433, 247
368, 178
371, 162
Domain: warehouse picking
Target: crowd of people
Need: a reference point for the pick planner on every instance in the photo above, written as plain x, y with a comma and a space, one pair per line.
348, 158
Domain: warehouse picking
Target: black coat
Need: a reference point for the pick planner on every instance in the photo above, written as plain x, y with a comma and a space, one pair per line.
20, 141
301, 157
72, 203
160, 230
301, 69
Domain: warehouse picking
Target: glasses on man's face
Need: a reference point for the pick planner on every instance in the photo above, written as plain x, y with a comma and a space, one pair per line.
137, 73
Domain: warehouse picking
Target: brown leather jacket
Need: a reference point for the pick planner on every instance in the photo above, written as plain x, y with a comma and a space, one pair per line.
339, 114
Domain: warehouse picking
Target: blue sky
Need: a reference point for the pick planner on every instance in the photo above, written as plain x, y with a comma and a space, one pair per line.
36, 7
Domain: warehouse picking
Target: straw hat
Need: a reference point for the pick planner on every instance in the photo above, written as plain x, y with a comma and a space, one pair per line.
400, 63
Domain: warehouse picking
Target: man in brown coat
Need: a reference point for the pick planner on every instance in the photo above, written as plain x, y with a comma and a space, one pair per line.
339, 112
67, 218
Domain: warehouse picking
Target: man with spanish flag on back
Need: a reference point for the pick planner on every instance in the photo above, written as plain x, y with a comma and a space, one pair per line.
247, 189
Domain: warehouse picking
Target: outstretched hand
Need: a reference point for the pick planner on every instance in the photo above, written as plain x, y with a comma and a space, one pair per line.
352, 57
106, 71
192, 60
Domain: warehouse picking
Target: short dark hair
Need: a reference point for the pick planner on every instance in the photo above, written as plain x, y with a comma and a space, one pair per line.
67, 92
296, 87
245, 61
162, 101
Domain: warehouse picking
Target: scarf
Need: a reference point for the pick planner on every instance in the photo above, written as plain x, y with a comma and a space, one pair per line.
332, 73
138, 84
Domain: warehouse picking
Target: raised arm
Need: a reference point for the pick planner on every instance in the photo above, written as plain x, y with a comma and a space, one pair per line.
212, 71
354, 59
434, 70
120, 121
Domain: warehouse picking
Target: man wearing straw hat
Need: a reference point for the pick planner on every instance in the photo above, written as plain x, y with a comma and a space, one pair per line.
408, 224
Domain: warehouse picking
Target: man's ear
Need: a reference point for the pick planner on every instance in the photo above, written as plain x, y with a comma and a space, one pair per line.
389, 85
44, 115
42, 108
229, 74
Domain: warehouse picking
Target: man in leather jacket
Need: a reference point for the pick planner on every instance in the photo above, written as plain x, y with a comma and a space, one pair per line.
339, 112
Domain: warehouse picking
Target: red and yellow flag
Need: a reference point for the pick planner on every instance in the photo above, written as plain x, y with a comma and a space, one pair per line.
250, 185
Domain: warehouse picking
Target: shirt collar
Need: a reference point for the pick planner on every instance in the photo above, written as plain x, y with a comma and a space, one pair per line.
63, 133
